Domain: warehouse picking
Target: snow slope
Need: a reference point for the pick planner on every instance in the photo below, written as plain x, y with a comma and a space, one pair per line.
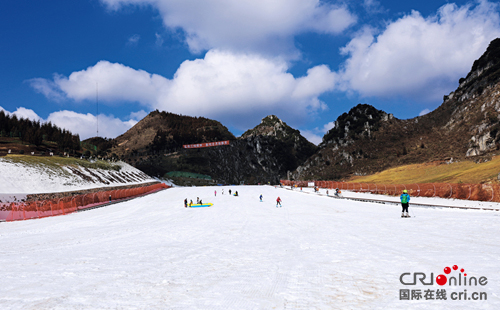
19, 177
313, 253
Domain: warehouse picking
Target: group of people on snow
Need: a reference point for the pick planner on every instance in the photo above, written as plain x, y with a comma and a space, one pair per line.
186, 204
405, 199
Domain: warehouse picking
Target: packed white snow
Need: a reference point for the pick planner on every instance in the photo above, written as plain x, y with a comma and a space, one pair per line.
315, 252
20, 178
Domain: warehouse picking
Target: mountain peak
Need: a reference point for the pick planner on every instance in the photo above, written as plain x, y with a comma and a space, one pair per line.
361, 120
271, 125
271, 120
484, 72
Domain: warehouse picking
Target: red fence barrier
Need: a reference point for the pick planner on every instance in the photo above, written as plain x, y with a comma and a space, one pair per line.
15, 211
481, 192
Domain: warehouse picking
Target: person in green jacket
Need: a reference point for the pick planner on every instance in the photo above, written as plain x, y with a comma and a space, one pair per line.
405, 199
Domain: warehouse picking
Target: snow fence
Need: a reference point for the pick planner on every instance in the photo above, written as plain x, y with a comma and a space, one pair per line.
15, 211
480, 192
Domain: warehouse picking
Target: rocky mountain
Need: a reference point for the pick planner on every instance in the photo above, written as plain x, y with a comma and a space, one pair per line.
465, 127
298, 147
263, 154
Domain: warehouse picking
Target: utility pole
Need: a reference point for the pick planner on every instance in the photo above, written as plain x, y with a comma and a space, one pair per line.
97, 104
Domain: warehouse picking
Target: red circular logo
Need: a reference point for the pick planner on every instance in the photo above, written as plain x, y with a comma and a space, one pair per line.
441, 279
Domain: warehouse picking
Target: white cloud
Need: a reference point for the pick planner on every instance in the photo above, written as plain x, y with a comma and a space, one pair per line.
133, 40
159, 40
112, 81
77, 123
255, 25
86, 124
138, 115
46, 88
373, 6
420, 57
328, 126
311, 136
316, 135
423, 112
24, 113
234, 88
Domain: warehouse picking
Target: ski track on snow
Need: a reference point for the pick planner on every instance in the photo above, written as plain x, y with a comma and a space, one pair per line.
313, 253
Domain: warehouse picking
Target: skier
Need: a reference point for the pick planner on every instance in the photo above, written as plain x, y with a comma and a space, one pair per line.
229, 192
405, 199
337, 192
278, 202
190, 202
197, 200
222, 191
215, 193
185, 203
260, 198
327, 192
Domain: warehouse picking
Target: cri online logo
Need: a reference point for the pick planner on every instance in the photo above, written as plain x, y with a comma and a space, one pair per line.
442, 279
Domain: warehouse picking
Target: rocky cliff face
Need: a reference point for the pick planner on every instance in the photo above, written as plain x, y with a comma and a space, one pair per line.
476, 103
367, 140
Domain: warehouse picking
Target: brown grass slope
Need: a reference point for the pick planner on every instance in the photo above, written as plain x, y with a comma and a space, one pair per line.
437, 172
162, 132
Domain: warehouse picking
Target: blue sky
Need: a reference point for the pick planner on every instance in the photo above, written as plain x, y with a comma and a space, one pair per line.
306, 61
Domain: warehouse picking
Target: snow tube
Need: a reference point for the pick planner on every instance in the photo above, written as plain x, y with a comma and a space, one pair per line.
202, 205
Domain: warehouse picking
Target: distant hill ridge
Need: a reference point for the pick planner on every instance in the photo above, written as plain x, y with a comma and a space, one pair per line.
265, 153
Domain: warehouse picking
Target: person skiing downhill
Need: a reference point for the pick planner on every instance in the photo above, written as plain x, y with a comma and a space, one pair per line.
405, 199
260, 198
278, 202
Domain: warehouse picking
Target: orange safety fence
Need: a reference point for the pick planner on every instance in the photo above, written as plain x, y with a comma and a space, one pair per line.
42, 208
480, 192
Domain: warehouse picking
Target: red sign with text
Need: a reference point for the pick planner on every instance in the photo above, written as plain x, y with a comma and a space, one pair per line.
208, 144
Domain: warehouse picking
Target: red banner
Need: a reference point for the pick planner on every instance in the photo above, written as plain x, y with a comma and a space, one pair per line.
208, 144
